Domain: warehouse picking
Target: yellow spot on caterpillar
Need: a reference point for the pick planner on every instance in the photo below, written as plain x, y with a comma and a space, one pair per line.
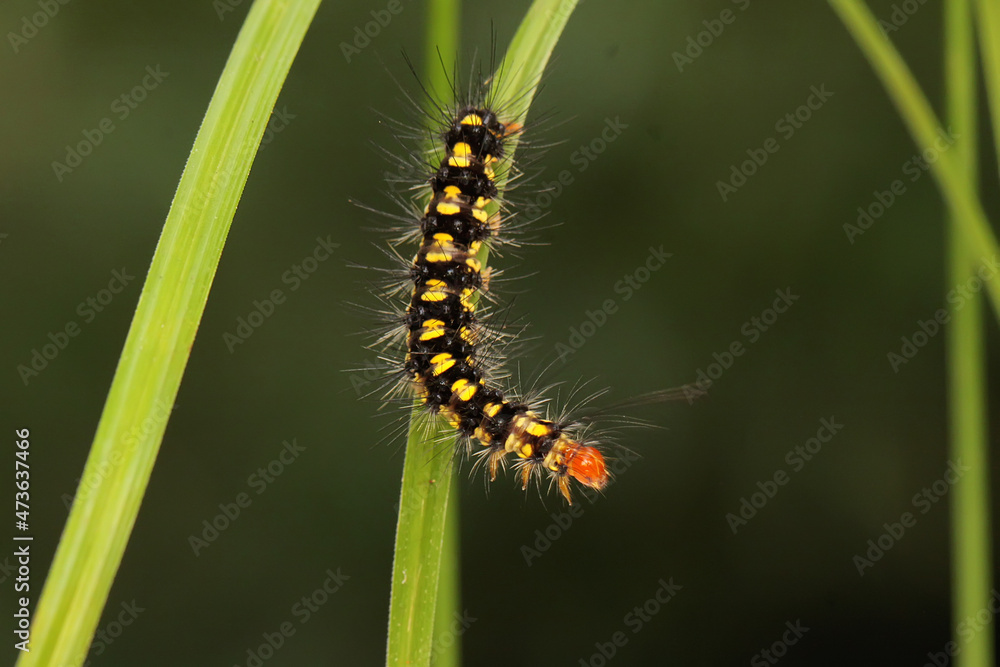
464, 389
481, 202
452, 418
440, 255
480, 215
451, 191
474, 247
436, 291
492, 409
467, 335
443, 250
490, 174
482, 436
472, 119
432, 329
447, 208
526, 450
538, 428
441, 362
461, 155
514, 441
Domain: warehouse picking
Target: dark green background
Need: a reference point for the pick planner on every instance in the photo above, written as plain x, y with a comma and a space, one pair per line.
334, 507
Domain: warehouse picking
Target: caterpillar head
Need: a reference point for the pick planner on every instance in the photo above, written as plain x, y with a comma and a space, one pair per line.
585, 464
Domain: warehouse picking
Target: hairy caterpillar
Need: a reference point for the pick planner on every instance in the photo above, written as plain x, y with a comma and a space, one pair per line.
446, 363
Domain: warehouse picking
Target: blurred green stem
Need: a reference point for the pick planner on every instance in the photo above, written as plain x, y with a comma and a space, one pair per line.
971, 243
988, 20
971, 552
162, 332
960, 194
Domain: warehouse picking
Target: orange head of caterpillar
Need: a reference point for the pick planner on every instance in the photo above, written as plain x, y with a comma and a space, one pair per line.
586, 465
583, 463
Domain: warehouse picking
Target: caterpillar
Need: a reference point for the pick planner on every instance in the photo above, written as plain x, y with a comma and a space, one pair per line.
441, 321
446, 360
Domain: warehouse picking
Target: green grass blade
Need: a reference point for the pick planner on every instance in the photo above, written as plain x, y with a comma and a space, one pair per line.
444, 19
916, 111
988, 21
971, 552
427, 478
162, 332
443, 26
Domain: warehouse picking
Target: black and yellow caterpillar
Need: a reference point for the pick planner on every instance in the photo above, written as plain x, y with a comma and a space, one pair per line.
443, 334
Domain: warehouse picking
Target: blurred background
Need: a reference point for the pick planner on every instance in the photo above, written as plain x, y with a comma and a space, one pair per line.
812, 415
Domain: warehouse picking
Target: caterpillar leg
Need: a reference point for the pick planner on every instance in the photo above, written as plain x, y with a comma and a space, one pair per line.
493, 461
564, 489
